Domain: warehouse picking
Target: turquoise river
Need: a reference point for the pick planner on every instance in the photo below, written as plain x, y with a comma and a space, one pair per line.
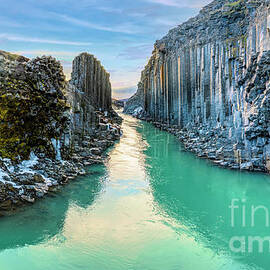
152, 206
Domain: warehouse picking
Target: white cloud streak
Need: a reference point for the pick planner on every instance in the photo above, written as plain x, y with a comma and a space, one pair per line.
171, 3
109, 9
9, 23
124, 28
40, 40
53, 53
181, 3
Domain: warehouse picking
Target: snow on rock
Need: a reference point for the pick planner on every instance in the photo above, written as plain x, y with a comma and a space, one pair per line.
57, 148
27, 165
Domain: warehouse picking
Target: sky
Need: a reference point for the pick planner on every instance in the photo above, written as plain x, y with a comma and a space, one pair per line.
121, 34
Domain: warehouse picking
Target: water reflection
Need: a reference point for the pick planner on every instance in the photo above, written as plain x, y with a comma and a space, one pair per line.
45, 219
197, 195
152, 207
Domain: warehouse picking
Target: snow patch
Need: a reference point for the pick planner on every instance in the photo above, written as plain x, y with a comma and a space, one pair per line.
57, 148
26, 165
3, 175
137, 111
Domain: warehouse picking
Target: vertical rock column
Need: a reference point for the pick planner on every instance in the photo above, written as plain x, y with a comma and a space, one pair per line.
89, 91
89, 77
210, 75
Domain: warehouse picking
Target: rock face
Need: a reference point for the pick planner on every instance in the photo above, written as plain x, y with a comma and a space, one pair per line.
51, 129
118, 104
89, 93
32, 106
208, 82
90, 77
135, 104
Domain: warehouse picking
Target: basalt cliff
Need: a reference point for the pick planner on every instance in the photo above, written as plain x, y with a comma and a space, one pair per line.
51, 129
208, 82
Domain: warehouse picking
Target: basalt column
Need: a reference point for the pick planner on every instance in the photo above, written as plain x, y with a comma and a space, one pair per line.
89, 93
89, 77
210, 78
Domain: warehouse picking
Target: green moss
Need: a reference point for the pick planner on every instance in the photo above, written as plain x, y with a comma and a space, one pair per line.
234, 4
235, 52
235, 8
29, 118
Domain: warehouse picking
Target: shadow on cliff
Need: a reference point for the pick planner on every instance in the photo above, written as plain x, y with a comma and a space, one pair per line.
197, 195
45, 219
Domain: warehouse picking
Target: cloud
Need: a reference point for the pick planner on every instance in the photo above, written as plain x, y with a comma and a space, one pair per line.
9, 23
124, 92
165, 22
40, 40
122, 35
123, 28
65, 57
171, 3
181, 3
109, 9
137, 14
136, 52
52, 53
67, 71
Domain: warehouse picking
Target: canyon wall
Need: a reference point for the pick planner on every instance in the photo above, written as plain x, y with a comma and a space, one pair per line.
90, 95
38, 106
90, 77
51, 129
33, 108
208, 82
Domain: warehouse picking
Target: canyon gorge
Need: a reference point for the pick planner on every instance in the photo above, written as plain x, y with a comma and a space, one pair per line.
88, 181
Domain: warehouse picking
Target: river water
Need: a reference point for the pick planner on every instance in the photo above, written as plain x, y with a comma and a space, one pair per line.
152, 206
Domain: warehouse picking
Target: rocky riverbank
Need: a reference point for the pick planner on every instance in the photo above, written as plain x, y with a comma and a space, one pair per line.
32, 179
204, 142
50, 129
208, 82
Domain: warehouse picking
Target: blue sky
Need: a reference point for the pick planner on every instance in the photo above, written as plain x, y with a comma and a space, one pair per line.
120, 34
